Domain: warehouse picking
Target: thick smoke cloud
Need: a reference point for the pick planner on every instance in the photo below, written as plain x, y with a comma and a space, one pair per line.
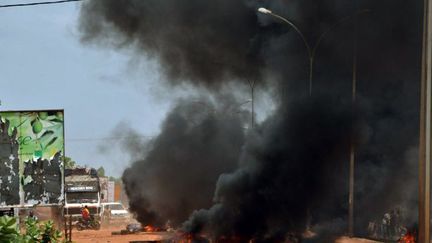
292, 172
198, 41
198, 142
289, 172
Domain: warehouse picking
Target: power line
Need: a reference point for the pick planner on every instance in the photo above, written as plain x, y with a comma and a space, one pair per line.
36, 3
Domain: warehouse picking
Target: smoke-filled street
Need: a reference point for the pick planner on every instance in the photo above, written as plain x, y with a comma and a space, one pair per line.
205, 172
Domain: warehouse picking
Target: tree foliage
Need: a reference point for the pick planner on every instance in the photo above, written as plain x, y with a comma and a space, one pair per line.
69, 163
101, 171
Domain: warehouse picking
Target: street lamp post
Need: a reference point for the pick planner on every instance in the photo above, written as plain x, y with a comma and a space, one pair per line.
252, 87
352, 142
425, 144
311, 50
311, 54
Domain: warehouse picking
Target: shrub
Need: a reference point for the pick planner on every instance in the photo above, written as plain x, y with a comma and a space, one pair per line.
8, 229
35, 232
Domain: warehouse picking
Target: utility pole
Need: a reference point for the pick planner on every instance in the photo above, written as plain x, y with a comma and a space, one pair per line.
425, 127
252, 86
352, 145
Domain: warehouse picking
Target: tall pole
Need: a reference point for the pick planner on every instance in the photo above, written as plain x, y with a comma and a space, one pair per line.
252, 86
425, 126
311, 50
352, 145
311, 60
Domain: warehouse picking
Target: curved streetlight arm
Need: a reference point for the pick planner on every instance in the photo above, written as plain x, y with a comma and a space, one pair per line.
295, 28
341, 21
311, 51
308, 48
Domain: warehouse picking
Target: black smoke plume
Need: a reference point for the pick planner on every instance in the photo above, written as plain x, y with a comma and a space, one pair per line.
195, 41
196, 139
292, 173
288, 173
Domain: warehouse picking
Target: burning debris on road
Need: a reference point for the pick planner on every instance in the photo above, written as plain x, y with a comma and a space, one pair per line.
135, 228
409, 237
289, 173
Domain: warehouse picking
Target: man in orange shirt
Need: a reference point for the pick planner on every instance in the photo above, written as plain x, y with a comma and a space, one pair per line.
85, 214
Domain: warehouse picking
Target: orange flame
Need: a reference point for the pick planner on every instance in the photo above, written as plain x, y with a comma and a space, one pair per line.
149, 228
408, 238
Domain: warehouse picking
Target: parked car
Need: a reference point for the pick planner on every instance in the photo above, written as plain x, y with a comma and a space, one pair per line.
115, 212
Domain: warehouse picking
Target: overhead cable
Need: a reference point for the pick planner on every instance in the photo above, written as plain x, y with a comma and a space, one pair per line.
36, 3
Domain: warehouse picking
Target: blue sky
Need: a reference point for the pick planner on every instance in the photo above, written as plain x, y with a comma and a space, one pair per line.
43, 65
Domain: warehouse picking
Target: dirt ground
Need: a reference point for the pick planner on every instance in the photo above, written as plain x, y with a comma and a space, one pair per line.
104, 235
354, 240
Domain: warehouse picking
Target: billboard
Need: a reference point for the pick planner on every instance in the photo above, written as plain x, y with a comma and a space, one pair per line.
31, 157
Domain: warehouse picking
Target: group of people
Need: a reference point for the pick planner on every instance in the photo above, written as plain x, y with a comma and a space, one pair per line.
389, 227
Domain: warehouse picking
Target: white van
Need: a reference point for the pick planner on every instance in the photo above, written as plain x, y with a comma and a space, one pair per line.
114, 211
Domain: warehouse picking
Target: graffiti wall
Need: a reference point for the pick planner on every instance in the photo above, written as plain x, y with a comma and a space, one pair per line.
31, 157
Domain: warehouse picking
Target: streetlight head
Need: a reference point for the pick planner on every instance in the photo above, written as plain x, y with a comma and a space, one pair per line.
264, 11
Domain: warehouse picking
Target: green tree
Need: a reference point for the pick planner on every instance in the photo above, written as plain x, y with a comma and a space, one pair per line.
101, 171
69, 163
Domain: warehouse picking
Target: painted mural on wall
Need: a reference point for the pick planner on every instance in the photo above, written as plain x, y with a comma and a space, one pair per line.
31, 152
